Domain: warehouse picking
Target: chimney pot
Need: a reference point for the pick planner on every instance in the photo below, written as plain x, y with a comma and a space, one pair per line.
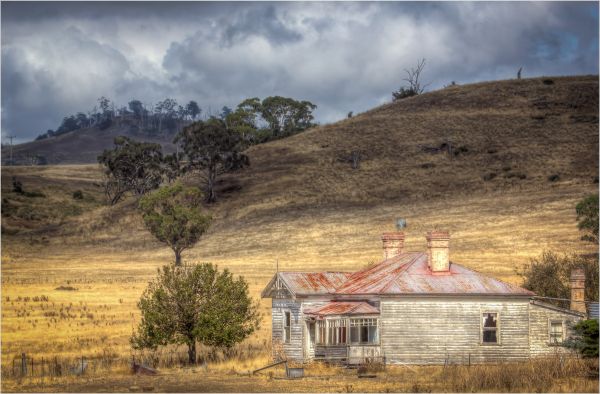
577, 282
393, 243
438, 251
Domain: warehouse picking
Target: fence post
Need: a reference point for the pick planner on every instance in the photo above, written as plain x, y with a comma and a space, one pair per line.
32, 366
82, 370
23, 364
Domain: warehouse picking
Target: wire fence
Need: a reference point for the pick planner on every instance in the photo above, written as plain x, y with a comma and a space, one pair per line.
24, 365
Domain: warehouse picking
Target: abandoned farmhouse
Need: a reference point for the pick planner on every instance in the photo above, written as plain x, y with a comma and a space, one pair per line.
415, 308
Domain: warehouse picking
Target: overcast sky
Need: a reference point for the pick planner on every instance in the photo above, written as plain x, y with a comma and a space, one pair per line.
58, 58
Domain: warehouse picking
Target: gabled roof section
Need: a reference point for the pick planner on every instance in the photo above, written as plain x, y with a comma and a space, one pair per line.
343, 308
307, 283
409, 274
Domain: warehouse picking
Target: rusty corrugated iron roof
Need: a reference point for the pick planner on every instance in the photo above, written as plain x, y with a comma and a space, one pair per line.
343, 308
312, 283
404, 274
408, 273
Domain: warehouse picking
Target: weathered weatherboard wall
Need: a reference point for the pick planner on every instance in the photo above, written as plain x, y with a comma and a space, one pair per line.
539, 328
434, 331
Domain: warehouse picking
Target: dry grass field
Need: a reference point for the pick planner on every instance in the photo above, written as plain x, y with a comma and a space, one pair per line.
301, 205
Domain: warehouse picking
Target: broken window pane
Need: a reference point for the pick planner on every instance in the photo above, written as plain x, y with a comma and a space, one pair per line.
490, 328
489, 319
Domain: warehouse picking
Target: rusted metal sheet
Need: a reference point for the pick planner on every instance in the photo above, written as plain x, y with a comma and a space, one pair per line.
343, 308
409, 273
312, 283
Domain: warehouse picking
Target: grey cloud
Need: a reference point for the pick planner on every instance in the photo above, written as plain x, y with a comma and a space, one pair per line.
57, 58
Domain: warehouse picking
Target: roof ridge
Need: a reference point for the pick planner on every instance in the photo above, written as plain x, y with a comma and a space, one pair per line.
404, 267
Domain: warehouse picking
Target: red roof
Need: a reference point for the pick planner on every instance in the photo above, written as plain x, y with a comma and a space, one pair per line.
408, 273
314, 282
343, 308
404, 274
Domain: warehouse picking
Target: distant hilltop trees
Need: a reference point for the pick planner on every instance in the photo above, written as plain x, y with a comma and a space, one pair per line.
166, 116
257, 121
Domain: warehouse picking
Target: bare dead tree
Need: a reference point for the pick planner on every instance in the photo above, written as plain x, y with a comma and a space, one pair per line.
415, 86
414, 75
519, 72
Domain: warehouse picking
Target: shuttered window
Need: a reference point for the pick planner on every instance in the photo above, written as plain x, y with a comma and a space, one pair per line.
489, 327
287, 327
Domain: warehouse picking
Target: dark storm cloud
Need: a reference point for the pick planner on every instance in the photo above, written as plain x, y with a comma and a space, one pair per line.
58, 58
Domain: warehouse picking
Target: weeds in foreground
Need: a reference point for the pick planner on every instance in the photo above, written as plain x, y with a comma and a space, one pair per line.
536, 375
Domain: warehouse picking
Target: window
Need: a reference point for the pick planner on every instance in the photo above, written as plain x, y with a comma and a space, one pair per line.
364, 331
337, 332
287, 325
489, 328
556, 331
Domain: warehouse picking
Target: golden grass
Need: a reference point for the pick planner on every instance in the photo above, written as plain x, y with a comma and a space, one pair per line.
302, 207
543, 375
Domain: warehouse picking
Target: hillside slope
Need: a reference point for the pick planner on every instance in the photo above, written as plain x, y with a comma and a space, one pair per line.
509, 128
523, 153
80, 146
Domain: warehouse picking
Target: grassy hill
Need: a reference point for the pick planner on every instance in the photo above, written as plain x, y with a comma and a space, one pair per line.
79, 146
523, 152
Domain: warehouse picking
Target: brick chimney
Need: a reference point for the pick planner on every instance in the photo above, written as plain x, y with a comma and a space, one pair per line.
393, 243
438, 251
578, 290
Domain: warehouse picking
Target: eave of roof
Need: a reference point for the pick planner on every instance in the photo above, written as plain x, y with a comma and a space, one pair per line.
343, 308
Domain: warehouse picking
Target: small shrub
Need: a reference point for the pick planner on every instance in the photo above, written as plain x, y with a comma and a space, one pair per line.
17, 185
489, 177
459, 150
515, 175
548, 82
427, 165
506, 168
492, 151
34, 194
403, 93
78, 195
66, 288
585, 338
553, 178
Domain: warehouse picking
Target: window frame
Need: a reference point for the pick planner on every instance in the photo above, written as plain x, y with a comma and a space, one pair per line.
482, 328
359, 322
336, 329
321, 332
287, 326
562, 332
